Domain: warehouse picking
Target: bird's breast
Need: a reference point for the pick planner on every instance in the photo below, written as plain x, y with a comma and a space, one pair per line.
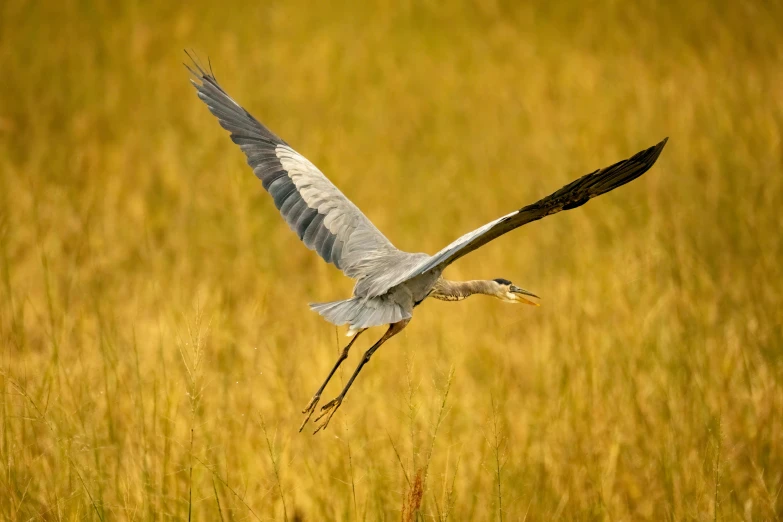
421, 286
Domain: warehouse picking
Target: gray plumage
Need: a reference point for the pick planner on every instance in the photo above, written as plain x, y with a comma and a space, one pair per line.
389, 282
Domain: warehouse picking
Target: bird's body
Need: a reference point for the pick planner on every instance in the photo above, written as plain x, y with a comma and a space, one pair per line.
390, 283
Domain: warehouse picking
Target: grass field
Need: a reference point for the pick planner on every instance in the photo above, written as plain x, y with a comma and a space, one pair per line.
156, 348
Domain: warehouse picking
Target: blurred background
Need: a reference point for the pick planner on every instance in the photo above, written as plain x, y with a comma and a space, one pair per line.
156, 347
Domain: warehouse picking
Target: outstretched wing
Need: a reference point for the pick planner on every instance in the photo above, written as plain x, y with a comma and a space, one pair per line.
323, 218
573, 195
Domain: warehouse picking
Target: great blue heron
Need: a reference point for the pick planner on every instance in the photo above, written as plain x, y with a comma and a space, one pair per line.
390, 283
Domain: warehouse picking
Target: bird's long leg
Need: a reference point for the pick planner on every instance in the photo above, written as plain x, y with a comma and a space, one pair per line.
327, 411
310, 408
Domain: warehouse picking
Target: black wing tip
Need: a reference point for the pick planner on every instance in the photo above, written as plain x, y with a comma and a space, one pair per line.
661, 144
628, 170
650, 156
656, 149
637, 164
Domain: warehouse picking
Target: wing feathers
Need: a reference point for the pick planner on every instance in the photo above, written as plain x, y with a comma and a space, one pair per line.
312, 230
312, 206
337, 230
573, 195
304, 221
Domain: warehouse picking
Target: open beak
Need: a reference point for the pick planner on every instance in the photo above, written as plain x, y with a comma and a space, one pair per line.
520, 292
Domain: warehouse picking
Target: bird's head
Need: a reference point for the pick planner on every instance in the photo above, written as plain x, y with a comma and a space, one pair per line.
508, 292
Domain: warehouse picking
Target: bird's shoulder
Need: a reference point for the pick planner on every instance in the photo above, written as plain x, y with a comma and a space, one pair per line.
382, 272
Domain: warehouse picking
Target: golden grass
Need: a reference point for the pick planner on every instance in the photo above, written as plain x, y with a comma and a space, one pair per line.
155, 344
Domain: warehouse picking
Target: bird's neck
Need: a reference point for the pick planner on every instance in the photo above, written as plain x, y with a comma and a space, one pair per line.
446, 290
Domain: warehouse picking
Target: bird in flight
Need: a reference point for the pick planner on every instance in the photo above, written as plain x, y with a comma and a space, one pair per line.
390, 283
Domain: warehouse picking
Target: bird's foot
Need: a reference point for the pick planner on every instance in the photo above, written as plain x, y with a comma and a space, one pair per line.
327, 411
310, 409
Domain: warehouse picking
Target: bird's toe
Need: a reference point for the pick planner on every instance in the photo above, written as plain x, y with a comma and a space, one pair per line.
327, 411
309, 410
